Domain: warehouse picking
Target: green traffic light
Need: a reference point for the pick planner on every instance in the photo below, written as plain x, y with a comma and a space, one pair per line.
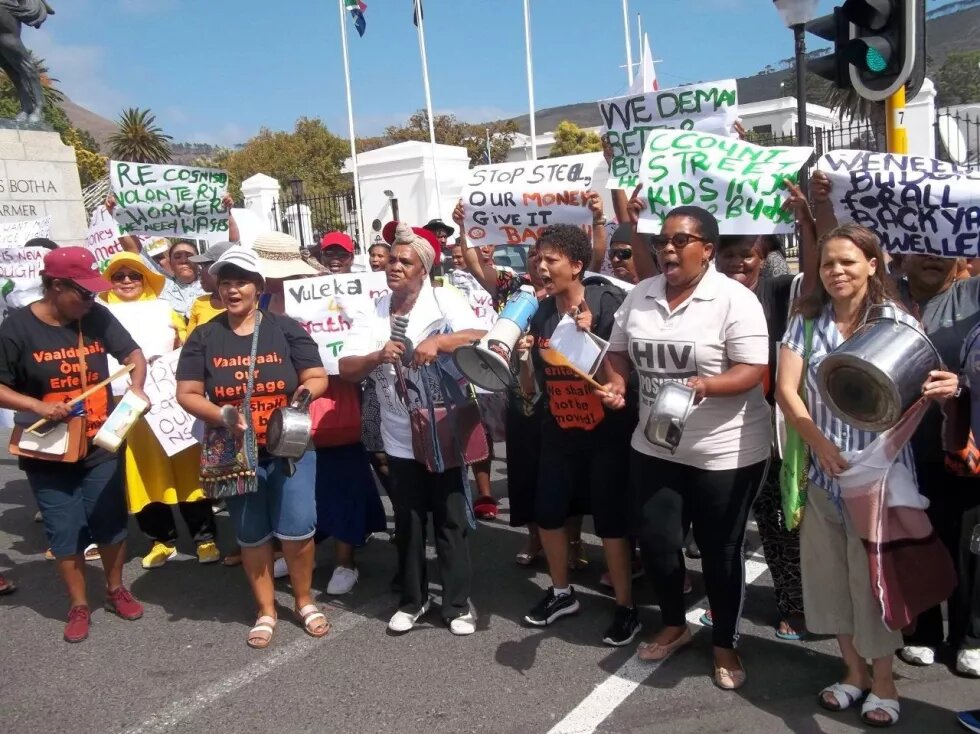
874, 60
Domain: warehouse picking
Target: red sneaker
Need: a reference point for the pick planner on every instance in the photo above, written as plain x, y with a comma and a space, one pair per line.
76, 629
121, 602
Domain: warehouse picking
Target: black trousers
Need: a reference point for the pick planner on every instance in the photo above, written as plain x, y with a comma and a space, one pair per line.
954, 510
667, 496
415, 493
156, 520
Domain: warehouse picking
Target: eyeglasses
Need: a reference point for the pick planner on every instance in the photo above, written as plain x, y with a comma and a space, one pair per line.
336, 253
679, 240
624, 254
124, 276
81, 292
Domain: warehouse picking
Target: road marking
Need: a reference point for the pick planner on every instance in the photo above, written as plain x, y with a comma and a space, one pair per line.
608, 695
171, 716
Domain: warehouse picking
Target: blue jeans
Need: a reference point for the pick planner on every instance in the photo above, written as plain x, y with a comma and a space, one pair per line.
282, 507
80, 506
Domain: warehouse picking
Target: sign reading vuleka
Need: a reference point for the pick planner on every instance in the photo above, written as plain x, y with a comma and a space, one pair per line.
711, 107
168, 201
740, 183
510, 203
918, 206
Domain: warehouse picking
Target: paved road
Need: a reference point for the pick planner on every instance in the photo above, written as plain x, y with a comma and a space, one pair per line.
185, 667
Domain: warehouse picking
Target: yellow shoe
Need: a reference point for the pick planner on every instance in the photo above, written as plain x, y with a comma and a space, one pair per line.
158, 555
208, 553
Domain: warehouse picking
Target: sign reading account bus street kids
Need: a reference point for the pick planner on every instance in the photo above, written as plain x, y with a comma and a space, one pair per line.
168, 201
742, 184
710, 107
510, 203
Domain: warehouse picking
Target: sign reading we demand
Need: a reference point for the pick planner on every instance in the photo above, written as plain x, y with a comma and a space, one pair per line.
917, 205
165, 200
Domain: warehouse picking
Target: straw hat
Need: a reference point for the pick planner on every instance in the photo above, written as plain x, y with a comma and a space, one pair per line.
152, 280
279, 256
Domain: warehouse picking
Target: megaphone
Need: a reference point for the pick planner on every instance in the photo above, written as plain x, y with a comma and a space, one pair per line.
487, 363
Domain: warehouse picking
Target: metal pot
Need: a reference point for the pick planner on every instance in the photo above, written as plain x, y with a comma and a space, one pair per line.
665, 424
289, 428
871, 379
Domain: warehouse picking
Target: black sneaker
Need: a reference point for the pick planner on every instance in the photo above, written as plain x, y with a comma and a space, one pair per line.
625, 626
552, 607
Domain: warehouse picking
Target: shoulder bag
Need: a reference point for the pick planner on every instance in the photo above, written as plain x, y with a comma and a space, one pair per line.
962, 457
796, 454
336, 416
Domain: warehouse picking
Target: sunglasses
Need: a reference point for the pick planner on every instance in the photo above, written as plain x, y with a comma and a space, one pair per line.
625, 254
336, 253
123, 277
83, 294
679, 240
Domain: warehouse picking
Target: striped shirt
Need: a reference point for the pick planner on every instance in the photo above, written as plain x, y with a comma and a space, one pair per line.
826, 338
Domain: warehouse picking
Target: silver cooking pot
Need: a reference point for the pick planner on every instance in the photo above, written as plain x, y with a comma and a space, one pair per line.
871, 379
671, 408
289, 428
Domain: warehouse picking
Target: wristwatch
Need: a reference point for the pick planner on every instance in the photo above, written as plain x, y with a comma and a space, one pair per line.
600, 221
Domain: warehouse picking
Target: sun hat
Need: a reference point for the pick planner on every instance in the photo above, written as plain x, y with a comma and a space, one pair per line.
156, 246
279, 256
337, 239
151, 278
242, 258
437, 225
76, 264
211, 254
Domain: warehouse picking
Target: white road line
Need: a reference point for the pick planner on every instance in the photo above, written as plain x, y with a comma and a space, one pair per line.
171, 716
608, 695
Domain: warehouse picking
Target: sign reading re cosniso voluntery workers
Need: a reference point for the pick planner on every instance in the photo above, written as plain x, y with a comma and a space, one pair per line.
168, 200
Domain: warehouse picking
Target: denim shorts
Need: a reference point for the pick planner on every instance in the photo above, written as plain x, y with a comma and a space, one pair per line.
80, 506
282, 507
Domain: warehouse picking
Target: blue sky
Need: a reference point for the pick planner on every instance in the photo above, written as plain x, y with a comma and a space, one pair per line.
217, 70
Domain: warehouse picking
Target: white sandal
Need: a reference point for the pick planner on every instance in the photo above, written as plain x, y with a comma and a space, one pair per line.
260, 635
873, 703
845, 694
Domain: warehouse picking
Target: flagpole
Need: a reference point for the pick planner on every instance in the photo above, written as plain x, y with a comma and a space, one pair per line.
362, 244
639, 34
629, 48
489, 156
428, 104
530, 80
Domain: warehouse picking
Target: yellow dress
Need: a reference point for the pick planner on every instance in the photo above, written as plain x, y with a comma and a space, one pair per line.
201, 312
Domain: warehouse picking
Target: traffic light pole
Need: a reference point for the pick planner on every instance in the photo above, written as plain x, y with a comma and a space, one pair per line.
803, 133
898, 138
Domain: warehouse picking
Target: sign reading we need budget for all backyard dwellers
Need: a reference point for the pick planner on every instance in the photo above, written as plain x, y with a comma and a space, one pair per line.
167, 200
918, 206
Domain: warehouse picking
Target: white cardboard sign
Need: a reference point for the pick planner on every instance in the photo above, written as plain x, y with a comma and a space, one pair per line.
167, 420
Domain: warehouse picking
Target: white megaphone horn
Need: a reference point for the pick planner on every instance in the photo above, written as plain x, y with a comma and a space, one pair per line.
487, 363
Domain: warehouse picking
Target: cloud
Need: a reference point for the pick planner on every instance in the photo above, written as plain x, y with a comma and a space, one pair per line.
81, 70
227, 136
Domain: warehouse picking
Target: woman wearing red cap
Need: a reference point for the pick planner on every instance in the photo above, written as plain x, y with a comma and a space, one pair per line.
50, 352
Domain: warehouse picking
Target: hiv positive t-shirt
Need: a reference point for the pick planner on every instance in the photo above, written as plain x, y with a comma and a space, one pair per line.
218, 357
42, 361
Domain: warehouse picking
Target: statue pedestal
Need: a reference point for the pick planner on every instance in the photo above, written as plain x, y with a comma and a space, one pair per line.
38, 178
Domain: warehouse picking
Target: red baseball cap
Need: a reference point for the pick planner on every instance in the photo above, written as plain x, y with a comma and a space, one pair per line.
388, 232
338, 239
78, 265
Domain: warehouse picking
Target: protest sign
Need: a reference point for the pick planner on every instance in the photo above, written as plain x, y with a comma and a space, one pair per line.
168, 200
103, 236
167, 420
918, 206
17, 234
510, 203
710, 107
476, 295
20, 276
741, 184
326, 306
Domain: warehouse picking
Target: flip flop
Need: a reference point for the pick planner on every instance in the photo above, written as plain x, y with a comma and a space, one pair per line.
260, 635
844, 694
797, 633
313, 620
485, 508
6, 586
873, 703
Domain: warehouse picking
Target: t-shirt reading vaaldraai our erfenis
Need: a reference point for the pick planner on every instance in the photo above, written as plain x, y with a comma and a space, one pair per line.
218, 357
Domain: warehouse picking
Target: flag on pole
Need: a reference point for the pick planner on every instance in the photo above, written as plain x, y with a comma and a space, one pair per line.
646, 80
417, 13
357, 8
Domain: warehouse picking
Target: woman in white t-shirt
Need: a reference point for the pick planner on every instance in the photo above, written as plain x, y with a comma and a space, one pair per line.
439, 320
695, 326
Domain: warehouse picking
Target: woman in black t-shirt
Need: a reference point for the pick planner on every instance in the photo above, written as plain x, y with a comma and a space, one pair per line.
213, 372
41, 368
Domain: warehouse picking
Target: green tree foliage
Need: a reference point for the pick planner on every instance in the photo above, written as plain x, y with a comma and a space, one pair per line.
958, 79
450, 131
139, 138
570, 139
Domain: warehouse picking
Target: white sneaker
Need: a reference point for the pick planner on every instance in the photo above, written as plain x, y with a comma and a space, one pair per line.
279, 569
404, 621
918, 655
465, 625
342, 581
968, 662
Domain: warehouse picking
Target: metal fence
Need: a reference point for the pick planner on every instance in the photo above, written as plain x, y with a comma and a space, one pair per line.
318, 215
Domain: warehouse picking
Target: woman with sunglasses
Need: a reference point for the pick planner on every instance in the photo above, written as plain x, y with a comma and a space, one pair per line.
155, 482
621, 254
41, 369
694, 326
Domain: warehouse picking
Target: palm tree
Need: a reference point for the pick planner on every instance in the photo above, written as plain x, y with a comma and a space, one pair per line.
139, 139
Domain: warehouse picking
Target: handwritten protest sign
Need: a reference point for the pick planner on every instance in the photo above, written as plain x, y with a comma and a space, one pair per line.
102, 239
167, 420
17, 234
710, 107
477, 296
510, 203
918, 206
326, 306
166, 200
20, 275
740, 183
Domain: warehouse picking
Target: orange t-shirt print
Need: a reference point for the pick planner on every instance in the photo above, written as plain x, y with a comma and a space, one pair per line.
571, 400
68, 383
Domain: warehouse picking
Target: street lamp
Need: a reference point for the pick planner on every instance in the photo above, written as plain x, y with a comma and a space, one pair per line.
296, 186
796, 14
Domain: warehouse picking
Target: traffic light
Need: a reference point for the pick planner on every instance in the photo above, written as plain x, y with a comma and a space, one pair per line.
879, 45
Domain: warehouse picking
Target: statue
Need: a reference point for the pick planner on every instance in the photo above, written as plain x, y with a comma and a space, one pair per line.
16, 60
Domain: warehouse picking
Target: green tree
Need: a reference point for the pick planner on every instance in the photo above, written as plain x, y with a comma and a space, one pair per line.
139, 139
92, 165
958, 79
570, 139
451, 131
